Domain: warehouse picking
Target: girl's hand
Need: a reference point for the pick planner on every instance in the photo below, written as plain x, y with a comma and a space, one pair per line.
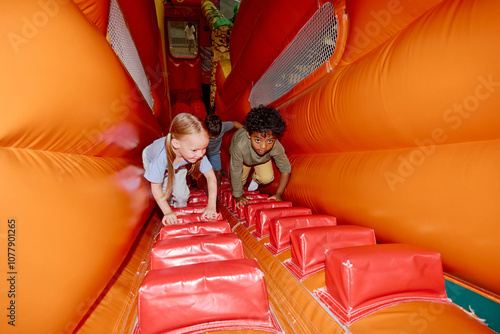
209, 213
169, 219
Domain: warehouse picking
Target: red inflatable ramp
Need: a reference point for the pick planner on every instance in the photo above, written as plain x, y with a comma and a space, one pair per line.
198, 228
204, 297
194, 217
196, 249
280, 229
264, 217
309, 246
364, 279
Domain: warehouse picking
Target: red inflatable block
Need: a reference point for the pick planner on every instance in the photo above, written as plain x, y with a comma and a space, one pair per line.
227, 198
210, 227
193, 192
222, 189
250, 197
247, 192
251, 209
309, 245
194, 217
241, 211
173, 252
280, 229
362, 279
198, 199
264, 217
205, 297
197, 204
187, 210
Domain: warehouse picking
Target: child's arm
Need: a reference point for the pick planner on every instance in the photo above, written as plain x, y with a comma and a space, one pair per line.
235, 171
237, 125
210, 211
283, 182
169, 216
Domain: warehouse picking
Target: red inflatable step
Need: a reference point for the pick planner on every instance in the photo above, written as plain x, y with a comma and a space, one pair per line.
221, 190
250, 197
187, 210
194, 217
221, 295
241, 211
197, 228
228, 196
264, 217
280, 229
193, 192
309, 245
196, 249
364, 279
251, 210
198, 199
197, 204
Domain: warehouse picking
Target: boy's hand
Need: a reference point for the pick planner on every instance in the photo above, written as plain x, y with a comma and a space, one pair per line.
169, 219
209, 213
277, 197
242, 200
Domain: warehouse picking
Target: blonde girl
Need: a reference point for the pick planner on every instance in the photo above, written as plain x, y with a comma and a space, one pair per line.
166, 161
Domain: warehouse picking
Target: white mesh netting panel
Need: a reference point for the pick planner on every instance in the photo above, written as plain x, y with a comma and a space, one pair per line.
121, 41
311, 47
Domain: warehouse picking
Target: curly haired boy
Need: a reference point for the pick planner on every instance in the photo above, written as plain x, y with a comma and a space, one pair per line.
253, 147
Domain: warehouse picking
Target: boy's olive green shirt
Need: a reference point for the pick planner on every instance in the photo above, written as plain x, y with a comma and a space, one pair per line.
242, 153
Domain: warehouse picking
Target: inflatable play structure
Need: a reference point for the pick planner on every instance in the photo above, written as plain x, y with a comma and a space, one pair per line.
392, 111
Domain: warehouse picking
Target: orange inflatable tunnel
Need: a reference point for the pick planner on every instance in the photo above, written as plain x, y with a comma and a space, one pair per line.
392, 125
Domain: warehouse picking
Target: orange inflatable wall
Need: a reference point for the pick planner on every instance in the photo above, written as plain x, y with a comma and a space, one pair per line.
73, 127
401, 134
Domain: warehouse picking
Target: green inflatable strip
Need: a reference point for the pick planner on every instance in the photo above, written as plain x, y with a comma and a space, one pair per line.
484, 308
